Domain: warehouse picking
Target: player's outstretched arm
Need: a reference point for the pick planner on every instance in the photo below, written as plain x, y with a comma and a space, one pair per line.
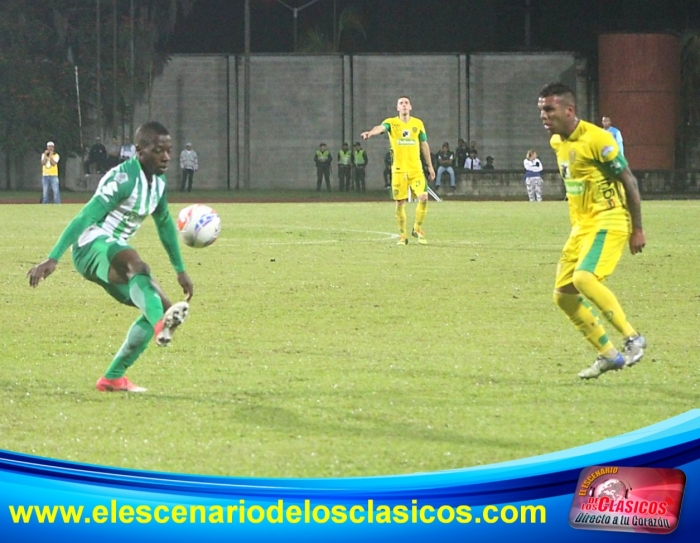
634, 206
379, 129
41, 271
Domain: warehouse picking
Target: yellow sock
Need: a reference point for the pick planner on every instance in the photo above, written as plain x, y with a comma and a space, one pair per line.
581, 314
421, 212
589, 285
401, 218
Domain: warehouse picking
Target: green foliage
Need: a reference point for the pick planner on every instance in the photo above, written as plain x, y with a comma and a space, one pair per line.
352, 24
39, 96
36, 43
317, 347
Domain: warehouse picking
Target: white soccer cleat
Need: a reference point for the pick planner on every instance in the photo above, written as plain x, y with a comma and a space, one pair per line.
174, 317
634, 349
601, 365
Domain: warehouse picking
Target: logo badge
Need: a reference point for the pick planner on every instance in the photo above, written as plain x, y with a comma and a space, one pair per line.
624, 499
405, 134
607, 150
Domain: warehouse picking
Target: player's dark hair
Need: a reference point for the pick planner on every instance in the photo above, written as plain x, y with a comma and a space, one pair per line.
148, 133
558, 89
406, 97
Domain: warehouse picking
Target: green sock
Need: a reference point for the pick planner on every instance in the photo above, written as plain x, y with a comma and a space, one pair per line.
135, 343
146, 298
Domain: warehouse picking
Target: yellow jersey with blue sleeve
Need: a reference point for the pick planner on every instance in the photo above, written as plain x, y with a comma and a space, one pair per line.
405, 139
590, 164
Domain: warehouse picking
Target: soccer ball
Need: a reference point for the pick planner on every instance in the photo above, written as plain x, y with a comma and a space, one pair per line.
199, 225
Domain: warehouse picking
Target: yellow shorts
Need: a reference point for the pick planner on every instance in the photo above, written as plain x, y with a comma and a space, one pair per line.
594, 251
400, 181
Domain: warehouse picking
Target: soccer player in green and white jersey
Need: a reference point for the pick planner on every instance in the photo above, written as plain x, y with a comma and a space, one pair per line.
99, 235
408, 140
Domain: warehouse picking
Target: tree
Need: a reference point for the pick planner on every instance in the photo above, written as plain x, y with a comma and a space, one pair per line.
35, 84
351, 24
37, 79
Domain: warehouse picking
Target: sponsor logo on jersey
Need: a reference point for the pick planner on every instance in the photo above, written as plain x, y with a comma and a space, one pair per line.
607, 150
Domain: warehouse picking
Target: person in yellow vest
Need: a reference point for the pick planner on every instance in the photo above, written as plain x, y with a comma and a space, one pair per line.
359, 159
345, 168
323, 159
49, 174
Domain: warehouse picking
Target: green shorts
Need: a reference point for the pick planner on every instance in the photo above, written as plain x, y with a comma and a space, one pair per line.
93, 260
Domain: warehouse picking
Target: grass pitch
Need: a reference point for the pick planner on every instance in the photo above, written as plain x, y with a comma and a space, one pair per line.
316, 347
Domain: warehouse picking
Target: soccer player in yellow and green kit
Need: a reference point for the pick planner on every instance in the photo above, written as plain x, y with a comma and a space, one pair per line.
605, 213
408, 139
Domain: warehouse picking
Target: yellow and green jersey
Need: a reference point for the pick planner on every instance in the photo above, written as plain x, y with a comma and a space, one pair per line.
590, 165
405, 139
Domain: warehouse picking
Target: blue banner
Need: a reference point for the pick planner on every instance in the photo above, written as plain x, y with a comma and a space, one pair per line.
530, 499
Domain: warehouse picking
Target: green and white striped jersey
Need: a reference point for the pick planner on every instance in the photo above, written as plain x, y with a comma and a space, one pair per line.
123, 199
126, 191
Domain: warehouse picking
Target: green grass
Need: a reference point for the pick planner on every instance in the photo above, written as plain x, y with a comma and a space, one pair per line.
316, 347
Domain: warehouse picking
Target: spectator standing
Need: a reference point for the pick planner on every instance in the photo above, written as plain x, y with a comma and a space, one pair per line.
344, 168
387, 169
128, 150
533, 176
462, 152
97, 156
607, 124
489, 163
359, 160
472, 162
445, 160
472, 147
113, 153
323, 160
189, 163
49, 174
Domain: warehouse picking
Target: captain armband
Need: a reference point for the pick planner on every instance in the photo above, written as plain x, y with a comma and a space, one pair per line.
616, 166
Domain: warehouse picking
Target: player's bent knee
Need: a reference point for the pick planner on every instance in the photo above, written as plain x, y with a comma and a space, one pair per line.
138, 267
583, 280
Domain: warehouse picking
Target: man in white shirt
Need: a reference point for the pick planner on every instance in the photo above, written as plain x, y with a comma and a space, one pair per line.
472, 162
188, 164
128, 150
533, 176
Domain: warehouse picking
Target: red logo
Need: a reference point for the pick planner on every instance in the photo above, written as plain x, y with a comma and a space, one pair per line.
622, 499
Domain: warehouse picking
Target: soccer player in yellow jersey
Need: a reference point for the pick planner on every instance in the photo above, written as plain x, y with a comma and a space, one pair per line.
605, 212
408, 139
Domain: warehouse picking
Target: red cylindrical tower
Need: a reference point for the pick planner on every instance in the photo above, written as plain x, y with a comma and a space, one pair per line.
639, 86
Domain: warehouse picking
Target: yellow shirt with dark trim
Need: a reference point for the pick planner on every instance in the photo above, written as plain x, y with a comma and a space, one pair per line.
405, 139
47, 168
589, 164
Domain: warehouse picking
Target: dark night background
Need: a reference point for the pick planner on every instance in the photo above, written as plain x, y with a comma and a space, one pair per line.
405, 26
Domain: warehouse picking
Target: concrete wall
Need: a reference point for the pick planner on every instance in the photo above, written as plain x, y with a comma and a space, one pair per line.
297, 101
436, 85
503, 115
191, 100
